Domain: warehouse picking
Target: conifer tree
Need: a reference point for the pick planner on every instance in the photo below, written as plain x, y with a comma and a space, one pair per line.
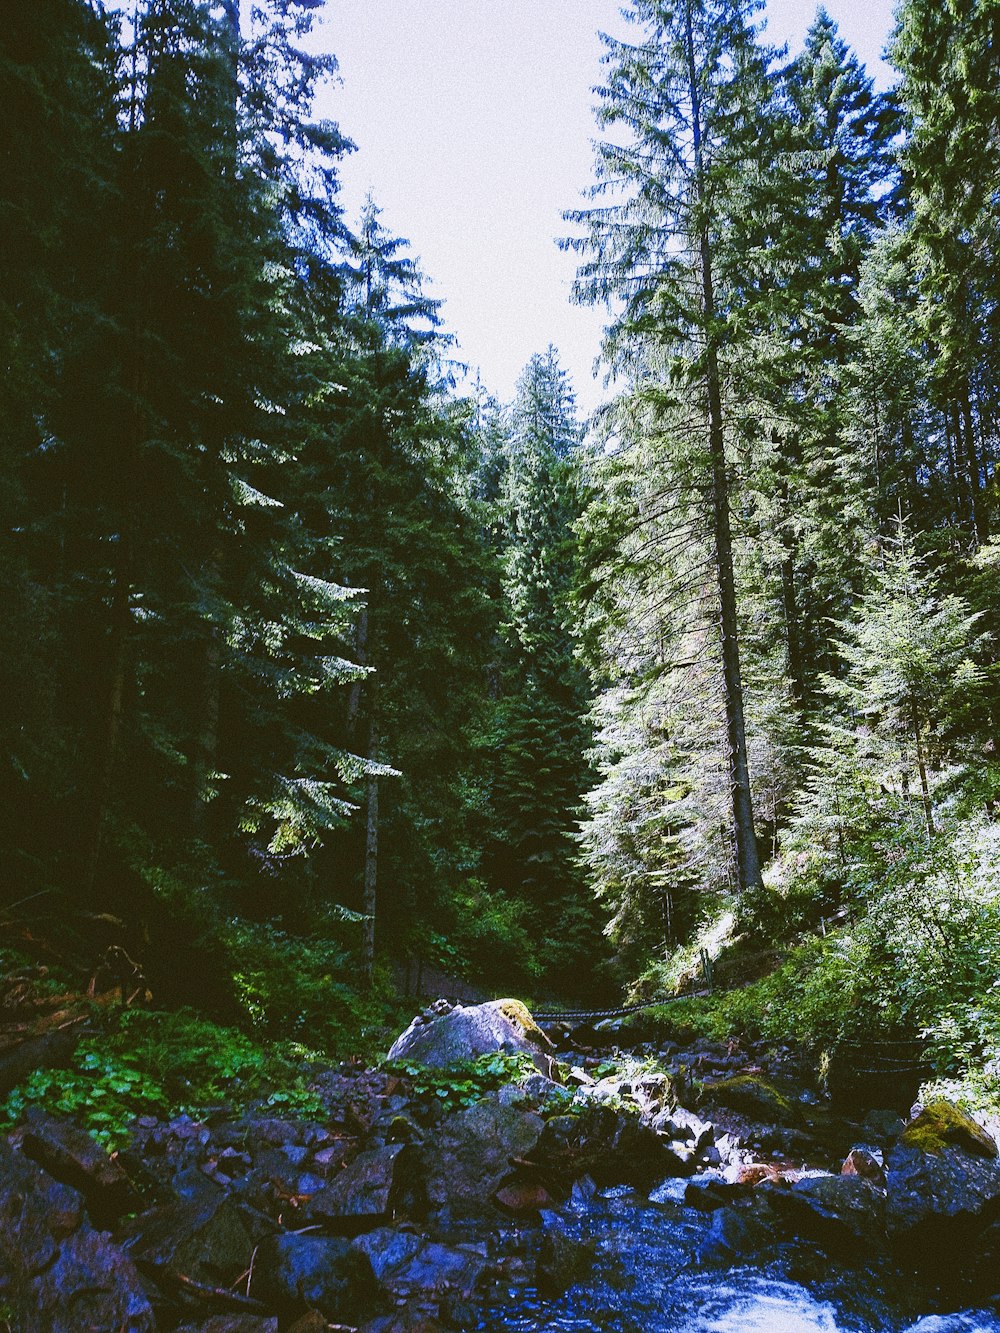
946, 55
689, 96
542, 734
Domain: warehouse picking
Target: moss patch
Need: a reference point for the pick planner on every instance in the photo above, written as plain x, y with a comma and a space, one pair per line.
519, 1016
940, 1125
753, 1096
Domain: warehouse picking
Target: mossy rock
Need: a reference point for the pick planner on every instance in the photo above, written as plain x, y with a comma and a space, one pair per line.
754, 1097
438, 1040
941, 1125
519, 1016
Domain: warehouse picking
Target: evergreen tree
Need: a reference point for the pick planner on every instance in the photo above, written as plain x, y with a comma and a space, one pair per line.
689, 96
542, 735
949, 91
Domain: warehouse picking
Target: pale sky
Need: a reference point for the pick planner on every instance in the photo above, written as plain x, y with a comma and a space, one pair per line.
474, 121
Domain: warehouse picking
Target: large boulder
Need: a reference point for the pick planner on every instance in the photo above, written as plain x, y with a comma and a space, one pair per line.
842, 1215
294, 1273
71, 1156
943, 1182
754, 1097
375, 1186
473, 1152
444, 1035
56, 1272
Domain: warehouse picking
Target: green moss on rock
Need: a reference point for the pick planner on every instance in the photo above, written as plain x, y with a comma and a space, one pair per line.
518, 1014
941, 1125
753, 1096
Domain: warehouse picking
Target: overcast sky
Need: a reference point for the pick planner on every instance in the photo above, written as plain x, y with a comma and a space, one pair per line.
474, 121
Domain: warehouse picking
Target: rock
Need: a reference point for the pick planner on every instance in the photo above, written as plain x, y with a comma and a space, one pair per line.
410, 1265
732, 1235
843, 1215
470, 1155
311, 1322
377, 1184
943, 1183
56, 1273
755, 1097
91, 1285
70, 1155
709, 1193
563, 1260
865, 1165
522, 1196
210, 1241
611, 1146
407, 1320
294, 1273
940, 1124
684, 1126
882, 1127
442, 1039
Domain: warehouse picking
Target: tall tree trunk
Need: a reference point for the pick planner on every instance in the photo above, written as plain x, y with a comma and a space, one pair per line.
790, 605
109, 738
207, 738
370, 898
747, 855
979, 516
925, 793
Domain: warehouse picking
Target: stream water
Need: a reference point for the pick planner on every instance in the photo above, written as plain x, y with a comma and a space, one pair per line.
655, 1272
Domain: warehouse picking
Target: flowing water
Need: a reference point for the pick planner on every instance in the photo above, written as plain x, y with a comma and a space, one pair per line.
654, 1273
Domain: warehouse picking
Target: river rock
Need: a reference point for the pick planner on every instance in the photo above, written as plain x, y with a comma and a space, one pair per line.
754, 1097
865, 1165
442, 1038
70, 1155
56, 1273
733, 1234
471, 1154
210, 1240
843, 1215
369, 1190
410, 1265
611, 1146
563, 1259
943, 1180
295, 1273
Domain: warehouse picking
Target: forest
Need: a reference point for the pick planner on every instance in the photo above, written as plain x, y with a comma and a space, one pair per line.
324, 671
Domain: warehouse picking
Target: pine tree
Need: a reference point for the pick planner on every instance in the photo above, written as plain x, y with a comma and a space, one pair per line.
542, 736
949, 90
690, 96
909, 670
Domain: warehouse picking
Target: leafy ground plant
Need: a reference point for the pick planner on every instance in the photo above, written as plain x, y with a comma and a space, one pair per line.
162, 1064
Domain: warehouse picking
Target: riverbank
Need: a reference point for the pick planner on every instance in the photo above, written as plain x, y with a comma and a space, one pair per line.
527, 1187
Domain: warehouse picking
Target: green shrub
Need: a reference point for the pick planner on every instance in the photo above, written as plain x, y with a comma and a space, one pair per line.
162, 1064
462, 1084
